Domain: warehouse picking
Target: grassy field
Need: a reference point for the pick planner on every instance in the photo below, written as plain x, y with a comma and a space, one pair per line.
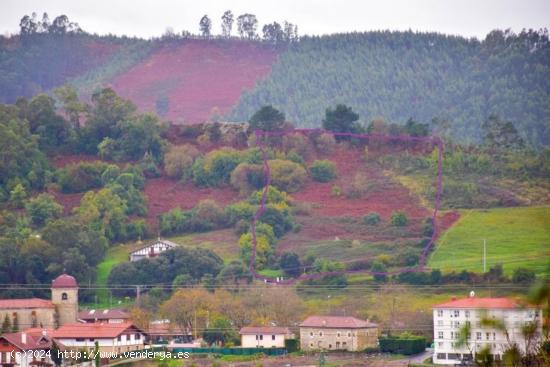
223, 242
516, 237
115, 255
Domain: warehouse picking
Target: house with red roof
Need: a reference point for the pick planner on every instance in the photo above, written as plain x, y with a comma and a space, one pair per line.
110, 316
337, 333
452, 316
264, 336
29, 348
62, 308
111, 337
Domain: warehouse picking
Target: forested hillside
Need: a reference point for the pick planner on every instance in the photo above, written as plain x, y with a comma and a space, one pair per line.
47, 54
399, 75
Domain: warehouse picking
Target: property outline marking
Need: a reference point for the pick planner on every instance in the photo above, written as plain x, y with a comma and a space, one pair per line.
436, 141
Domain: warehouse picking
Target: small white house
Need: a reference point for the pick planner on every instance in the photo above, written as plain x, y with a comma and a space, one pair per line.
152, 250
108, 316
264, 336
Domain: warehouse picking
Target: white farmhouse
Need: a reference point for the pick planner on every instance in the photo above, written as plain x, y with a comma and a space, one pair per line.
451, 316
115, 338
152, 250
264, 336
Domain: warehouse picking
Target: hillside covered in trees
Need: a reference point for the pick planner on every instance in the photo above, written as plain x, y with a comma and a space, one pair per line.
399, 75
449, 81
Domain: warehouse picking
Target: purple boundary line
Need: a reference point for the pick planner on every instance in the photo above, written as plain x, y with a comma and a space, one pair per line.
436, 141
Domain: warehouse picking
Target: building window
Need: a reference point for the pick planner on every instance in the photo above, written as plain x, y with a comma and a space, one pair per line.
488, 336
467, 314
138, 336
349, 335
272, 337
468, 323
440, 335
311, 345
338, 334
311, 334
64, 296
439, 313
261, 337
79, 339
119, 338
478, 335
456, 313
440, 344
330, 346
320, 333
439, 322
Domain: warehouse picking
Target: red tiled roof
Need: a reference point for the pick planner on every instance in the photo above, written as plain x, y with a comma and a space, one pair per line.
165, 329
346, 322
476, 302
33, 341
264, 330
92, 315
64, 281
25, 303
92, 330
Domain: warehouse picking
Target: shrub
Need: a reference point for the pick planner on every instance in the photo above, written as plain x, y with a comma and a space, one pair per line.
247, 177
286, 175
149, 166
323, 171
18, 195
210, 214
372, 218
428, 227
110, 173
297, 144
81, 176
43, 208
278, 217
358, 186
216, 167
522, 275
178, 161
241, 227
399, 219
239, 211
274, 196
404, 344
264, 251
336, 191
408, 258
290, 263
325, 143
379, 267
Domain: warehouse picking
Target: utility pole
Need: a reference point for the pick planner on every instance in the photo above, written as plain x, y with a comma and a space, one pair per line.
484, 255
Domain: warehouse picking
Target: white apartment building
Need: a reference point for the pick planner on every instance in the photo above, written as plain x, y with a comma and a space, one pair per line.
451, 316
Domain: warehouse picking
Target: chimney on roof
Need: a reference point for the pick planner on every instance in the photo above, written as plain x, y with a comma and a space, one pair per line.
44, 333
24, 338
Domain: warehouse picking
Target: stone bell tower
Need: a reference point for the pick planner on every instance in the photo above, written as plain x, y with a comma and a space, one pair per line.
65, 298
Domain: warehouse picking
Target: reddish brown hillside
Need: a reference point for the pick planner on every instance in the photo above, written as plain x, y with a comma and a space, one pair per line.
196, 76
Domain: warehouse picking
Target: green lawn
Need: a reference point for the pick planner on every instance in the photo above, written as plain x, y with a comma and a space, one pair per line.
115, 255
516, 237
